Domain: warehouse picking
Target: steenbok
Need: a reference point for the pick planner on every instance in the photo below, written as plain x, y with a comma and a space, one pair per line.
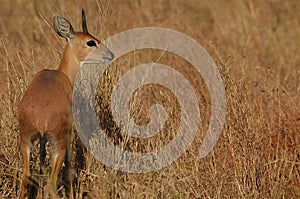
45, 110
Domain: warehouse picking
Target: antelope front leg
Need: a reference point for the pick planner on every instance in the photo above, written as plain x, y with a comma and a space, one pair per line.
67, 178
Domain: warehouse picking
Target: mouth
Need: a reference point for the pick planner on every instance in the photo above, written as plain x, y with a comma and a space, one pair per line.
106, 60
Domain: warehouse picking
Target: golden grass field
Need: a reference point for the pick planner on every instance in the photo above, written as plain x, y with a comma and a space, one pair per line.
255, 45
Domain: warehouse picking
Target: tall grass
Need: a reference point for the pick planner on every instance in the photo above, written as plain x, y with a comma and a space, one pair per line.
255, 45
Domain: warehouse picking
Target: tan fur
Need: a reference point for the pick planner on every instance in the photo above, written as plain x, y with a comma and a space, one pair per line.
45, 110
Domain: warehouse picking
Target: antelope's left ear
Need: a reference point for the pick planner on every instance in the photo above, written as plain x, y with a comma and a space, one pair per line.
63, 28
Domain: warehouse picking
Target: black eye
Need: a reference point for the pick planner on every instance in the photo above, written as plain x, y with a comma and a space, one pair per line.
91, 43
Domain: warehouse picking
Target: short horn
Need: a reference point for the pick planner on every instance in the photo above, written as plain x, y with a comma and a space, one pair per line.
84, 27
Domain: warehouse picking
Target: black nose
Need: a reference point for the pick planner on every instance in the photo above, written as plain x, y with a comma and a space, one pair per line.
111, 56
108, 57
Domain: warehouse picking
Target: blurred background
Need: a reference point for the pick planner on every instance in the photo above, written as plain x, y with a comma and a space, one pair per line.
255, 45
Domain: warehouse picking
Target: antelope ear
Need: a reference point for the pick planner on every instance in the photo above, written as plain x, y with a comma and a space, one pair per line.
63, 27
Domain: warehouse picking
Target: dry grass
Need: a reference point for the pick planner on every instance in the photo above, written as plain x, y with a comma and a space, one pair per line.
255, 45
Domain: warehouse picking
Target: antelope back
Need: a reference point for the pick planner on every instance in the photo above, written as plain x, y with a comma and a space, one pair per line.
46, 104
